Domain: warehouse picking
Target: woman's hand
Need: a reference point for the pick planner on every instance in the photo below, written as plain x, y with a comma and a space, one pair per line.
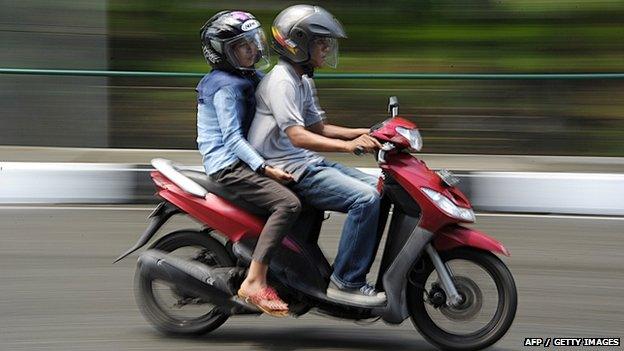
278, 175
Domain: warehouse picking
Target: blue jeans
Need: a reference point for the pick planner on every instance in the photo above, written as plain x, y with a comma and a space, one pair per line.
332, 186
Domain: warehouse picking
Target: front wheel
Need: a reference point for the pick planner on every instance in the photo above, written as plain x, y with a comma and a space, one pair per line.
488, 307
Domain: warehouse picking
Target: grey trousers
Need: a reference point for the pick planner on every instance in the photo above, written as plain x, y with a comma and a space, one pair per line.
280, 202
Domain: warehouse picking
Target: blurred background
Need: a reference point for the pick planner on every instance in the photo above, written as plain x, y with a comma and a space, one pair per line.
525, 117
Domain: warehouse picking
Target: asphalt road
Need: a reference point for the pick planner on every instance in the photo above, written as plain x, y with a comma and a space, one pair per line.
59, 290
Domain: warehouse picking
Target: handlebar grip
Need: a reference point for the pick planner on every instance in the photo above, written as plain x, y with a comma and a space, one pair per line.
359, 151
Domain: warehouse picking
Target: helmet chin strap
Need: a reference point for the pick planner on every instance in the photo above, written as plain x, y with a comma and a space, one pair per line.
307, 67
245, 73
227, 67
251, 74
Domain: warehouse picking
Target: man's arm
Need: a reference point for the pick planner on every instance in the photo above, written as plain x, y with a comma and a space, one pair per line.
314, 112
291, 121
306, 139
303, 138
336, 132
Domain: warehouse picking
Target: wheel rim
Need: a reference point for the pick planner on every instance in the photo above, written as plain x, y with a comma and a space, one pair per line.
481, 304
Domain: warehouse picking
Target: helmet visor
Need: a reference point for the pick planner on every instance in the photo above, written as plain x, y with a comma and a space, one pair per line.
248, 50
324, 52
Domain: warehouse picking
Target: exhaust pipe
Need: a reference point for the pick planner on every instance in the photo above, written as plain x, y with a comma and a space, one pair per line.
195, 279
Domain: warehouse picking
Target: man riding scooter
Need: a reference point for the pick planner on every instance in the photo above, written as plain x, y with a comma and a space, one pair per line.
289, 126
443, 275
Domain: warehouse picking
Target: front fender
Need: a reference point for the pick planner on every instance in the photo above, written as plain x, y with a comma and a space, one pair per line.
453, 236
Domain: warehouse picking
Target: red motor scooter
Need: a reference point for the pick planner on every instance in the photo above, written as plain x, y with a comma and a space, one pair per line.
443, 275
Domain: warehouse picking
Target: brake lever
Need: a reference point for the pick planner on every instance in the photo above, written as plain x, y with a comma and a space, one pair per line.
359, 151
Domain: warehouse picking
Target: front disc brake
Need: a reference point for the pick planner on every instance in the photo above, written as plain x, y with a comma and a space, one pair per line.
471, 304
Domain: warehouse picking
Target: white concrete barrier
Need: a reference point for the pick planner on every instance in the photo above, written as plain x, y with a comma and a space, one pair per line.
569, 193
521, 192
27, 183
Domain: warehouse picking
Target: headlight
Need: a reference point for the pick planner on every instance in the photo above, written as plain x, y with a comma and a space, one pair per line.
412, 135
464, 214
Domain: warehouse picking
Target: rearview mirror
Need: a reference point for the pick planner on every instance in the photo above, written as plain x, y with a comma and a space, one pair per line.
393, 106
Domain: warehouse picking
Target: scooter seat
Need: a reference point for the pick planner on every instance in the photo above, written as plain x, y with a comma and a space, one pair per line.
222, 191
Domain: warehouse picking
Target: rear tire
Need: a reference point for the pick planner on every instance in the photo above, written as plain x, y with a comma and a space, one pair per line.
504, 309
147, 290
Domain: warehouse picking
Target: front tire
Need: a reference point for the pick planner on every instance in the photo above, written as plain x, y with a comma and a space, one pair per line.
200, 317
435, 321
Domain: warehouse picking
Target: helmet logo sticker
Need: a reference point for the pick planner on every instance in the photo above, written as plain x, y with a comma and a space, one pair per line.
286, 43
249, 25
240, 15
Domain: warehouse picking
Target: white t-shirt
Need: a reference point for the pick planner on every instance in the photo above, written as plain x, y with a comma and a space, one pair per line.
284, 99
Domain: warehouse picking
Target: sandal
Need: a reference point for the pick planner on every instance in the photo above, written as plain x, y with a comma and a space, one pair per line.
263, 299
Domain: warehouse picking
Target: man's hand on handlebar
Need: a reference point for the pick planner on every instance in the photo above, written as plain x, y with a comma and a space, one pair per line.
363, 143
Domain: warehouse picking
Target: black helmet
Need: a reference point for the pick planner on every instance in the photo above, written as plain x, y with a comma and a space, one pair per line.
297, 26
227, 30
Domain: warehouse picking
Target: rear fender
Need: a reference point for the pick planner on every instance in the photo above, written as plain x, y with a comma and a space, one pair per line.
453, 236
158, 217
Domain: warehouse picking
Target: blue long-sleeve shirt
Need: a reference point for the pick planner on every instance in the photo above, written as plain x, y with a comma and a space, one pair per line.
225, 107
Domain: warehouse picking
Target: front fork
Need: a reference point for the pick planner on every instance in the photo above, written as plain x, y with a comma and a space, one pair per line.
444, 275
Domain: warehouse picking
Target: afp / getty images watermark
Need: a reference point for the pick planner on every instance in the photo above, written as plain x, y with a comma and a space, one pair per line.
548, 342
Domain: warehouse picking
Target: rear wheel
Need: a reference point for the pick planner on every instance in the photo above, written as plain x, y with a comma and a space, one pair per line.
169, 310
486, 312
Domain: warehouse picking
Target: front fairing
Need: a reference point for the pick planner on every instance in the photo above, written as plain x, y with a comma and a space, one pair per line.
386, 131
413, 174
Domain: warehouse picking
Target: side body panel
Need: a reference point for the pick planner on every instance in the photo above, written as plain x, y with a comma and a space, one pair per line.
212, 210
